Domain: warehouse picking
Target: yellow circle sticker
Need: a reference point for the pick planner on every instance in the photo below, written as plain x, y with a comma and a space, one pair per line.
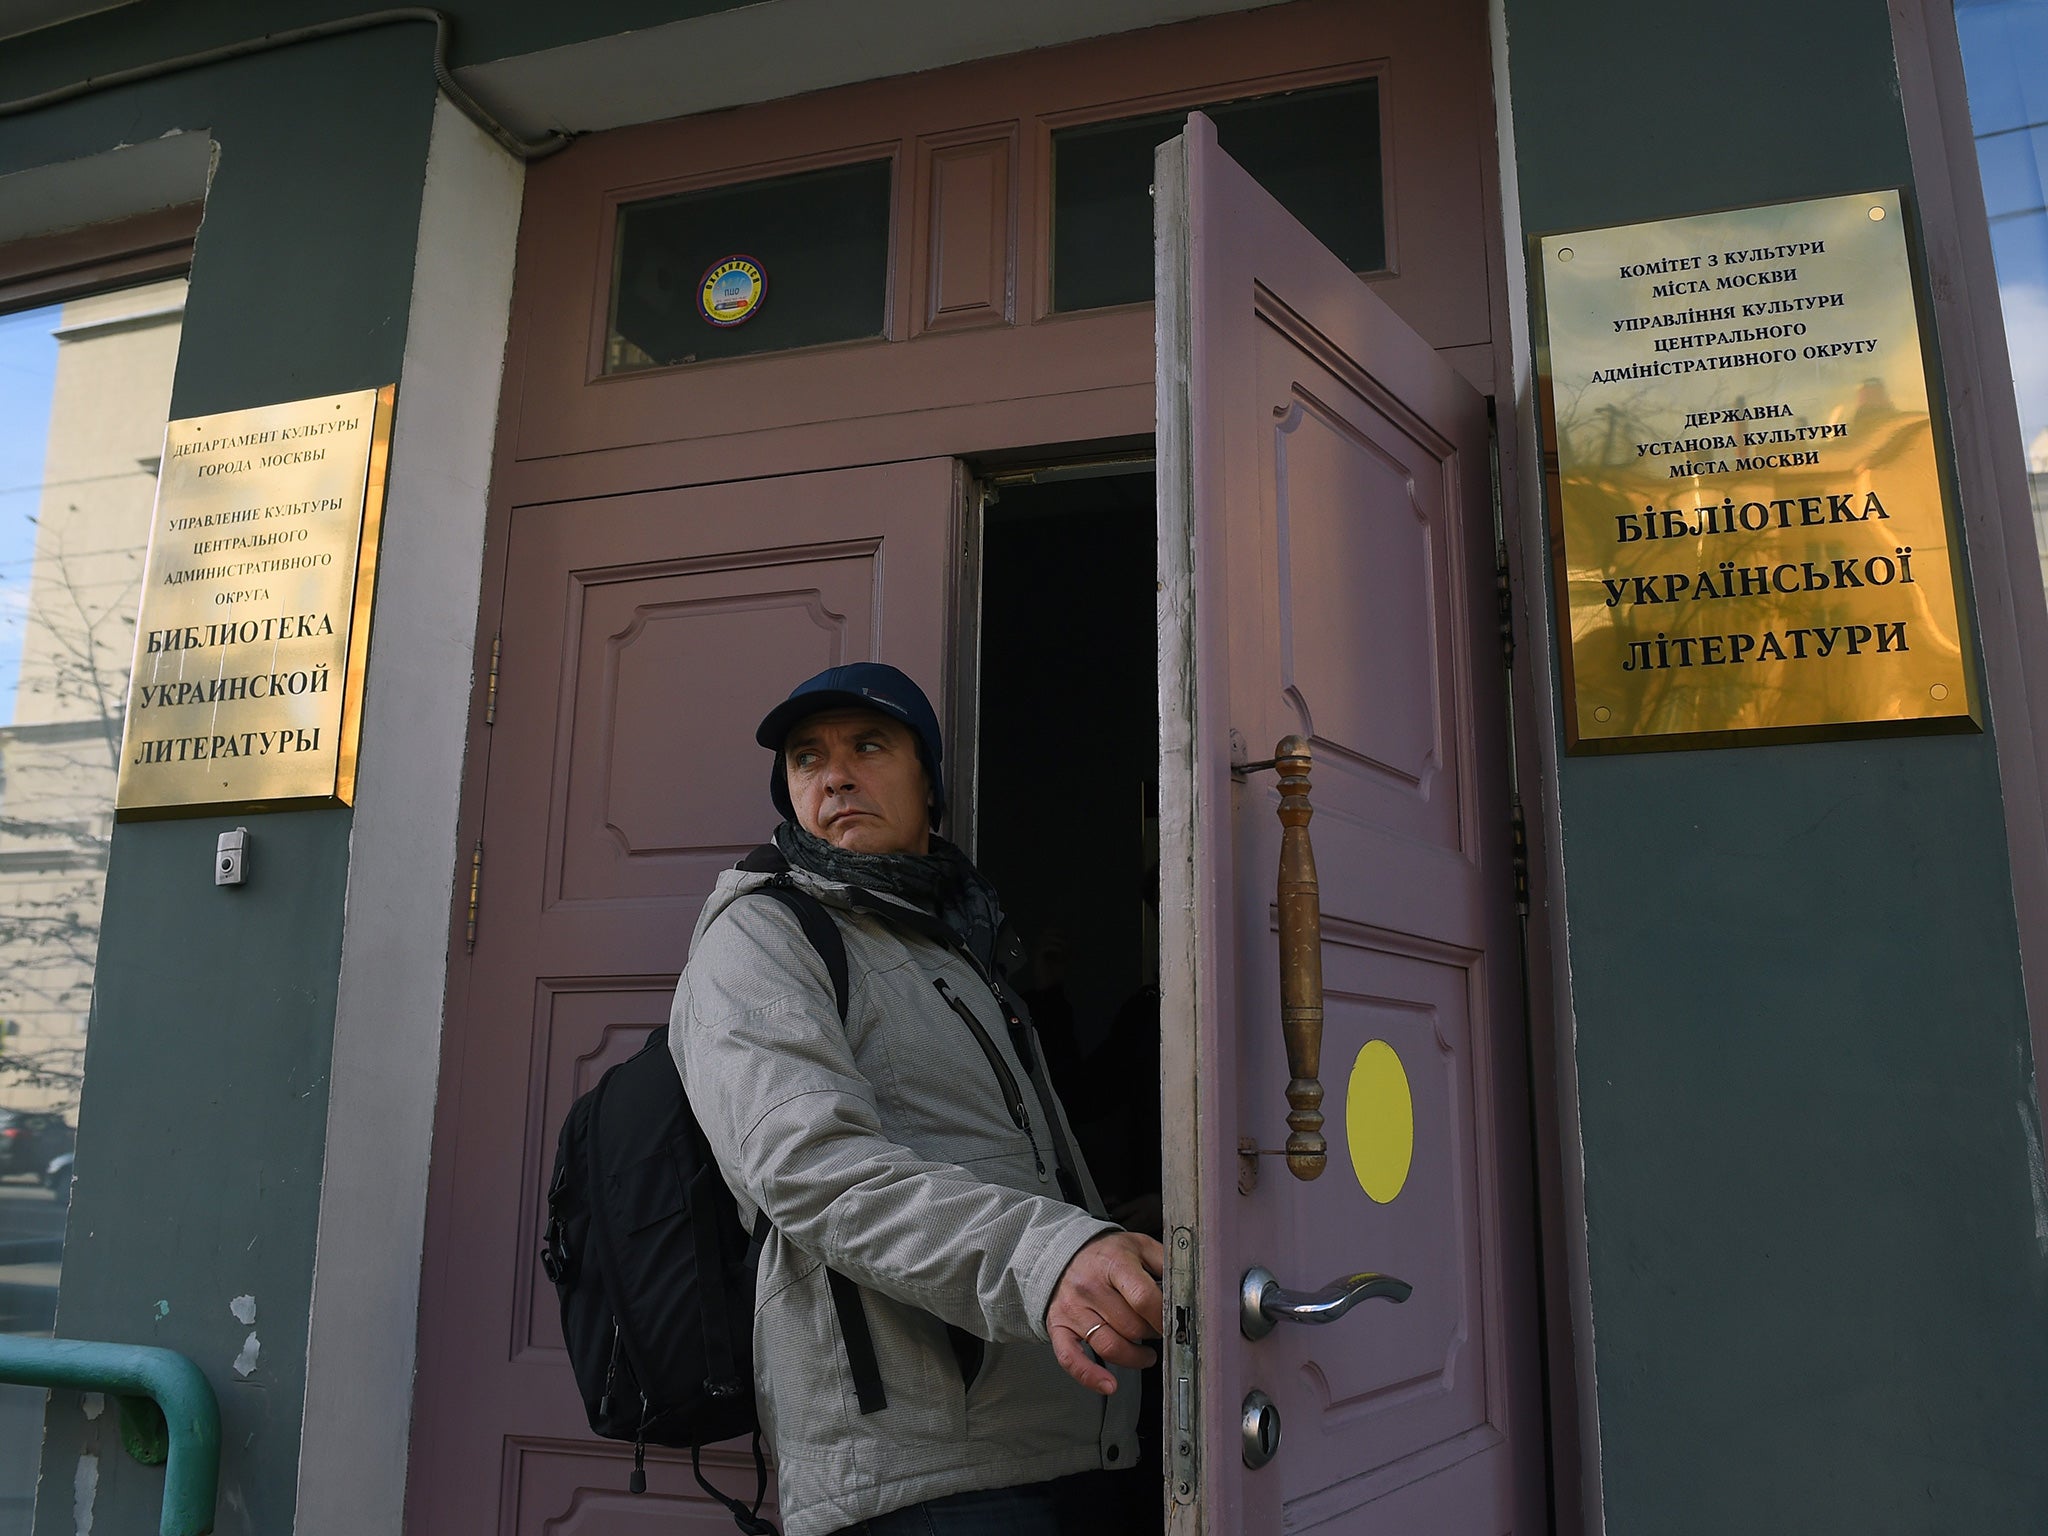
732, 291
1379, 1121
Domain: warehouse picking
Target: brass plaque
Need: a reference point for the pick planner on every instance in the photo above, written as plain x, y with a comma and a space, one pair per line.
1751, 530
255, 623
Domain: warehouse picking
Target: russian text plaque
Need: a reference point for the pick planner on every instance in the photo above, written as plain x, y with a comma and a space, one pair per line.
1750, 528
255, 621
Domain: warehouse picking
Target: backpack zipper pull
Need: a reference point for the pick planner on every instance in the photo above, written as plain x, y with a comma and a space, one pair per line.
637, 1483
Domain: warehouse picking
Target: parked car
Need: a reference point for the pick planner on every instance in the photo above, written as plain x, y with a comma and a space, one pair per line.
30, 1139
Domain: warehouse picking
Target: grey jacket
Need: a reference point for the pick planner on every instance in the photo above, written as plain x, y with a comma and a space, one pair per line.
889, 1150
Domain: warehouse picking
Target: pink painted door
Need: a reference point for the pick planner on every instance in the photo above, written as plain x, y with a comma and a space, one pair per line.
1327, 563
644, 636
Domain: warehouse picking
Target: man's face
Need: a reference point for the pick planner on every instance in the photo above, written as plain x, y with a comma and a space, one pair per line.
856, 781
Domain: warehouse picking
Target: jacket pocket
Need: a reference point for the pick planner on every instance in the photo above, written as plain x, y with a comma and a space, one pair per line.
970, 1353
1006, 1080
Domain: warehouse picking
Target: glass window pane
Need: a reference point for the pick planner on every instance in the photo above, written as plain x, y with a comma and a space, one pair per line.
1317, 151
816, 254
85, 387
2004, 43
2011, 169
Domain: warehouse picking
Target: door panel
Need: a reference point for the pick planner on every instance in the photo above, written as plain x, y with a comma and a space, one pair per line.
644, 636
1327, 555
581, 1030
557, 1490
1362, 525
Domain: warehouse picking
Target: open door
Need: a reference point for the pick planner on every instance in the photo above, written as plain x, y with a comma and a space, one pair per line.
1327, 563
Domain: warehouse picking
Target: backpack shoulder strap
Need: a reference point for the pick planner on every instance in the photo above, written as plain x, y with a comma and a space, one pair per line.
810, 914
821, 930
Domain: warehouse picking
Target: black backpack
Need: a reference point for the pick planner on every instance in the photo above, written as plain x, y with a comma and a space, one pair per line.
654, 1270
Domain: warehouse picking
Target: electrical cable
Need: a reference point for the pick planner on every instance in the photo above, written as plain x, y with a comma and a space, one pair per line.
522, 149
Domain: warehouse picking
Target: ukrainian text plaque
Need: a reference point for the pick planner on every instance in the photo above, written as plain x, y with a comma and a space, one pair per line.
1750, 525
255, 621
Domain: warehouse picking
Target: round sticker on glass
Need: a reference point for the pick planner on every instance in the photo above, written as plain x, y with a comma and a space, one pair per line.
732, 291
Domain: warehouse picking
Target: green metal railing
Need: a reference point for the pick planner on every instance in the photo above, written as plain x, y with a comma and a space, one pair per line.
166, 1407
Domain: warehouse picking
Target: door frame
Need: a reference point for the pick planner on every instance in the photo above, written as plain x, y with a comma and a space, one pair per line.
1534, 689
1064, 426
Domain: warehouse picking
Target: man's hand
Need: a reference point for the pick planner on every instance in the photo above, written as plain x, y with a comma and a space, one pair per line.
1112, 1288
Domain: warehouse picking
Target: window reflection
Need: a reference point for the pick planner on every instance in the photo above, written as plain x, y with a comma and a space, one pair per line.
85, 389
2004, 45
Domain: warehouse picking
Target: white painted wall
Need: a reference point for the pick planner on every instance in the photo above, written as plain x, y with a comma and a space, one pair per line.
402, 853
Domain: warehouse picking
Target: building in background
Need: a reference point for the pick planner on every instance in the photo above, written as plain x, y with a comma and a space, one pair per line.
83, 528
1722, 1190
2004, 42
59, 755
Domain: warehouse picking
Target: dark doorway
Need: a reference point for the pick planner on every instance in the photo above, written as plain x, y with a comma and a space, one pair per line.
1066, 827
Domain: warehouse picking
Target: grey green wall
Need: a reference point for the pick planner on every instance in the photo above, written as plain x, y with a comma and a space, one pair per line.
1819, 1276
204, 1108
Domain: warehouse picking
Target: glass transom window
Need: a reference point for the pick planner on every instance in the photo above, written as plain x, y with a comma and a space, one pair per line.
762, 266
1317, 151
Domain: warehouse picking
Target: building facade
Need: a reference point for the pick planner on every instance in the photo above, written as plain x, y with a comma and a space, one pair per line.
1721, 1189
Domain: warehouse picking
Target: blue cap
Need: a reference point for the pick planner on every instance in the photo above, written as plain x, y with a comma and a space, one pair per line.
857, 685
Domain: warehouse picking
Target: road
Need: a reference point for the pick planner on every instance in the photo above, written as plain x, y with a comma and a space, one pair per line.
31, 1245
31, 1223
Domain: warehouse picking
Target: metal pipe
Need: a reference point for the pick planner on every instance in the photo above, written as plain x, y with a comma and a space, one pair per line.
522, 149
167, 1412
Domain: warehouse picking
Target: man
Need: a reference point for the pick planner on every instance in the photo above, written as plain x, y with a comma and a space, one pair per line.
918, 1150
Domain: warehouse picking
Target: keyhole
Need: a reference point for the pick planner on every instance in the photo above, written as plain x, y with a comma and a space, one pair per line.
1261, 1430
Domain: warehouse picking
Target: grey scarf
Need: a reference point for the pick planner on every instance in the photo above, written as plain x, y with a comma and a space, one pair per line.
943, 882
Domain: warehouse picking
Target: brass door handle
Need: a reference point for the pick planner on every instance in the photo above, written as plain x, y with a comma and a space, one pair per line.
1301, 965
1264, 1304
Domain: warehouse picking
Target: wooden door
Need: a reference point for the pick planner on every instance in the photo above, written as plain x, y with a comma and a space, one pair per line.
644, 637
1327, 556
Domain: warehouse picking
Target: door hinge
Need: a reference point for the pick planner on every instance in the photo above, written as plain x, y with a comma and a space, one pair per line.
1521, 859
491, 684
476, 880
1504, 597
1183, 1396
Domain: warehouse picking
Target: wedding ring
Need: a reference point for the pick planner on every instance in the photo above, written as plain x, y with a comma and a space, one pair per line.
1092, 1332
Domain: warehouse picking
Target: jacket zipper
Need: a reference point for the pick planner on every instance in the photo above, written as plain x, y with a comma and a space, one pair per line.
1012, 1093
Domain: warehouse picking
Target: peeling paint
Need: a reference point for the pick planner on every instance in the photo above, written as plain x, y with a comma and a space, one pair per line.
244, 1308
245, 1362
85, 1486
2037, 1173
163, 1310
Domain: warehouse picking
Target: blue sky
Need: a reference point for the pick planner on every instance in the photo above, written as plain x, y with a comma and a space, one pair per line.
28, 365
2005, 60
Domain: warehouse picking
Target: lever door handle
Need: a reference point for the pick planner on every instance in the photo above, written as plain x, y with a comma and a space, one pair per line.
1264, 1304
